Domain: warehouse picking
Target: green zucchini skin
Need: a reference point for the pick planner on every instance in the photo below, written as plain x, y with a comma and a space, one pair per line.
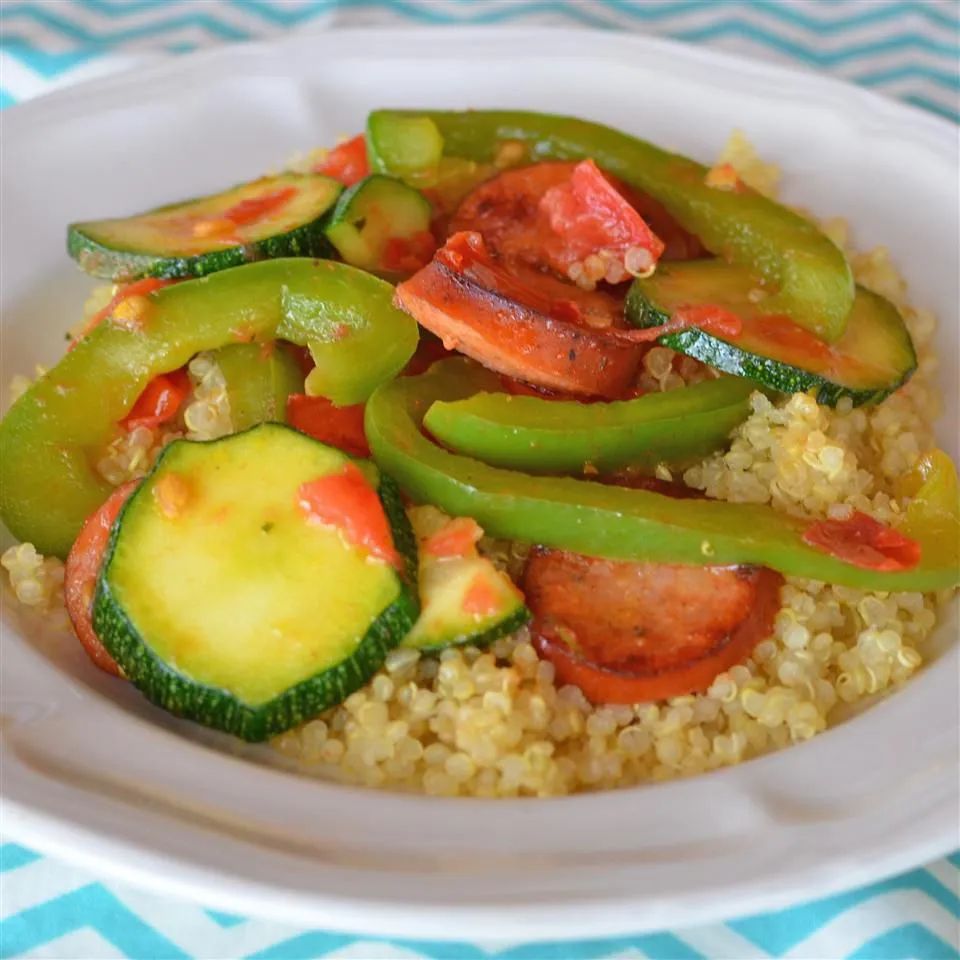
644, 309
310, 240
477, 638
370, 213
219, 708
443, 585
113, 262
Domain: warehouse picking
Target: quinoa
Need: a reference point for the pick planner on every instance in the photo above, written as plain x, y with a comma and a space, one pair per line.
207, 415
493, 723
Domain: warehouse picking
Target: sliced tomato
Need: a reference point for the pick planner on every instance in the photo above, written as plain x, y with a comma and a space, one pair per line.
481, 598
513, 215
590, 217
340, 427
257, 208
139, 288
348, 502
456, 538
514, 326
864, 542
160, 401
347, 162
81, 572
632, 632
409, 254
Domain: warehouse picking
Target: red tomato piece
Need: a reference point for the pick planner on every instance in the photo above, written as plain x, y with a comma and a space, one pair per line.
708, 317
481, 599
409, 254
347, 502
864, 542
781, 331
453, 539
160, 401
139, 288
592, 217
340, 427
81, 572
257, 208
507, 211
632, 632
347, 162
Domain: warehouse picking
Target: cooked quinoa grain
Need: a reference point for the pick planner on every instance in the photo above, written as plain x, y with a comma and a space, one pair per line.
36, 581
207, 414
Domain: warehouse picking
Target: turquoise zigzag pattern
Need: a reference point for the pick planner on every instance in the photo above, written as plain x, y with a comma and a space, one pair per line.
909, 49
96, 909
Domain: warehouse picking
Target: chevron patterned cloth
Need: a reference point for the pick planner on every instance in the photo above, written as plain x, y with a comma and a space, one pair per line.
904, 49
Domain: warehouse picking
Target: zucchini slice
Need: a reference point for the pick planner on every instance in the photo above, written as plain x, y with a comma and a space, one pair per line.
872, 358
464, 598
403, 146
224, 603
282, 216
379, 223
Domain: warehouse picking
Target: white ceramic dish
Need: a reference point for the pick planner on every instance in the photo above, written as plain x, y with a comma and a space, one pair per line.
92, 773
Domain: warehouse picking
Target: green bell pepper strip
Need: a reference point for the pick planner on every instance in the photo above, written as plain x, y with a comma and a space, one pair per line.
356, 338
807, 274
259, 381
933, 514
593, 518
52, 436
676, 428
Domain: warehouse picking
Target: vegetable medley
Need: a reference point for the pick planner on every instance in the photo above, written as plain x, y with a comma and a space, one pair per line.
434, 348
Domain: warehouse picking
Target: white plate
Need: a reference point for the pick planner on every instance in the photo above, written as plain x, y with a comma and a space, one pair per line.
94, 774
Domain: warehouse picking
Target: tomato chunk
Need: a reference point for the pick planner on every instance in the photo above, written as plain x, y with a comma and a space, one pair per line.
631, 632
516, 326
347, 502
481, 599
346, 162
340, 427
160, 401
257, 208
513, 211
81, 572
139, 288
593, 219
454, 539
409, 254
864, 542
